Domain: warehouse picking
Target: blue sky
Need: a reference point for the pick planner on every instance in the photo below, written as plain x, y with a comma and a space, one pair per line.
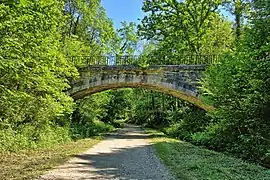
130, 11
123, 10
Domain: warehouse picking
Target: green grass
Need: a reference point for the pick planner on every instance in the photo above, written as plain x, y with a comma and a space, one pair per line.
32, 163
189, 162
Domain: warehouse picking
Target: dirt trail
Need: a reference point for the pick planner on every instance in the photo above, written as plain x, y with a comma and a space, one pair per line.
124, 155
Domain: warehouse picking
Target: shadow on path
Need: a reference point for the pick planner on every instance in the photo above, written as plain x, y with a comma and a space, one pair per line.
123, 155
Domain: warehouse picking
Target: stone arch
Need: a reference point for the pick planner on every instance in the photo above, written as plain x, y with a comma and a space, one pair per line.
176, 93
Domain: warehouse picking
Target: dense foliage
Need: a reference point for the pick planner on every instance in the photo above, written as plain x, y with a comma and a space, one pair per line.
38, 37
237, 86
33, 72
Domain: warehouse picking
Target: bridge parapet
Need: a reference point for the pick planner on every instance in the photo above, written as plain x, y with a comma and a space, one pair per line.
81, 61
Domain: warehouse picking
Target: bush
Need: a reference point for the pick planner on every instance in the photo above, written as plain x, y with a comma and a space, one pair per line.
80, 131
239, 87
192, 122
177, 131
30, 136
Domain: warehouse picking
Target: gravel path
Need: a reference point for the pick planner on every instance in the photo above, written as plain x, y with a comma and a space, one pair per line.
123, 155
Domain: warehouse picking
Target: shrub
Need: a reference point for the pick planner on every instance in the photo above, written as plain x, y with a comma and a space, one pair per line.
30, 136
239, 87
80, 131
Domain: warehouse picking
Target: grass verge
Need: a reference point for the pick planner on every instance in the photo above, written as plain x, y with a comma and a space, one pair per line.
189, 162
32, 163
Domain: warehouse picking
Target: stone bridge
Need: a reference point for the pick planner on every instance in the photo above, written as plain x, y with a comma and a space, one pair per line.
182, 81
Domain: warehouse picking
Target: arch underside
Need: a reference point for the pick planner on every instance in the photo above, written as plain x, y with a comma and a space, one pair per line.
176, 93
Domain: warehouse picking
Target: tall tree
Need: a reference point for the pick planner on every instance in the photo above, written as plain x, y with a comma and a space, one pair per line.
239, 9
239, 87
33, 71
126, 41
180, 25
257, 37
88, 29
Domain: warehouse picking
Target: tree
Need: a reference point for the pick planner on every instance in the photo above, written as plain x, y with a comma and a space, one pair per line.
239, 88
238, 8
128, 38
180, 26
219, 38
33, 70
117, 106
257, 37
88, 30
